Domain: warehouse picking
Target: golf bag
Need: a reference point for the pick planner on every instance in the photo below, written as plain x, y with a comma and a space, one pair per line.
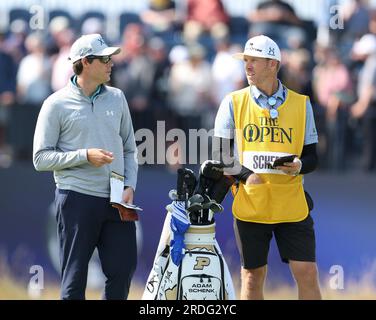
189, 264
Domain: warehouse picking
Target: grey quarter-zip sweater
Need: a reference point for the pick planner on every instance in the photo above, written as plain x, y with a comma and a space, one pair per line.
69, 123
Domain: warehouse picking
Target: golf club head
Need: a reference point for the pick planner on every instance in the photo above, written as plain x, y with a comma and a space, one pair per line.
212, 169
195, 203
197, 198
210, 204
186, 183
173, 194
216, 207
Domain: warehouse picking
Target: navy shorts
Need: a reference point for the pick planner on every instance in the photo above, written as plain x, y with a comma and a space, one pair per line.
295, 241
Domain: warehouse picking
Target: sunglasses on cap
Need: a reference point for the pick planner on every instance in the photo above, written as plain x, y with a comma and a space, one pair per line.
102, 59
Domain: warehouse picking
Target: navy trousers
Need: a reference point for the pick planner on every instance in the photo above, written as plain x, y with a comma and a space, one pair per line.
84, 223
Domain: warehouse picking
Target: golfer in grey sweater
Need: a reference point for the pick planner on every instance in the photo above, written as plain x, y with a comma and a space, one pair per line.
83, 133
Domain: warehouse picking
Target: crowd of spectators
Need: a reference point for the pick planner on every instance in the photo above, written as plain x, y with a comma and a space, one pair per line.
176, 66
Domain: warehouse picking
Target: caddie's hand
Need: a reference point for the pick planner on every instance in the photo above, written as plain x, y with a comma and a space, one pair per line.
254, 178
291, 168
99, 157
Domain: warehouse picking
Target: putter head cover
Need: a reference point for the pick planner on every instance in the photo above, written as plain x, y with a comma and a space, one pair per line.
220, 188
186, 184
200, 206
210, 172
213, 182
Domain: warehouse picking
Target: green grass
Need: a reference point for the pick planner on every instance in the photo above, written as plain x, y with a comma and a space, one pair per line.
13, 289
10, 289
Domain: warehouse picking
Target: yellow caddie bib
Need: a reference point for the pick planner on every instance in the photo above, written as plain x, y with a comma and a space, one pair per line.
260, 140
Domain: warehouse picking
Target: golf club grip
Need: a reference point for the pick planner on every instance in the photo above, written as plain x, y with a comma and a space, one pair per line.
180, 182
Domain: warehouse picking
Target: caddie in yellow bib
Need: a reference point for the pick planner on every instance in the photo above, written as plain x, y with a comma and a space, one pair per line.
265, 135
261, 139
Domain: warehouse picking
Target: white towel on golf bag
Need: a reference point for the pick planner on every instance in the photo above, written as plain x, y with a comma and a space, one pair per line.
202, 275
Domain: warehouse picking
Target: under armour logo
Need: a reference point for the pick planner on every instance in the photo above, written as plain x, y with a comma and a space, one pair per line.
101, 41
271, 52
109, 113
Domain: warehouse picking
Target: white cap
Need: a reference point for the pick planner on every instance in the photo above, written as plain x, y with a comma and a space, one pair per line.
92, 25
58, 24
90, 45
18, 26
178, 53
365, 46
262, 47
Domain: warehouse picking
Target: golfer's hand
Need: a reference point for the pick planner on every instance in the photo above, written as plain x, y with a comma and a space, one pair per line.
128, 195
291, 168
99, 157
254, 178
127, 214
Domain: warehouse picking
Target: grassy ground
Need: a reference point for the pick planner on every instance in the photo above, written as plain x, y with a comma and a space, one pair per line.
13, 290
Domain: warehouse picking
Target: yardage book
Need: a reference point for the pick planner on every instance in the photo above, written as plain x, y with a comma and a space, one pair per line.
117, 187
